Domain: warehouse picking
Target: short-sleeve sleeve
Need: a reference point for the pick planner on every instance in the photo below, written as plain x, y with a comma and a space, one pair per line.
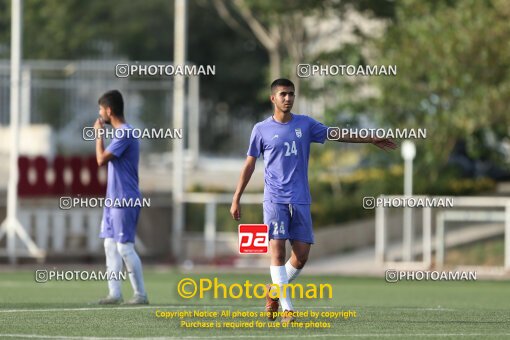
119, 145
255, 148
318, 131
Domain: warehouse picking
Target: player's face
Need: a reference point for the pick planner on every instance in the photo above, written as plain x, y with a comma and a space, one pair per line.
104, 113
283, 98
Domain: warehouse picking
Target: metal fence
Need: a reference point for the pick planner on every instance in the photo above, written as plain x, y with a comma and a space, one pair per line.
63, 94
465, 209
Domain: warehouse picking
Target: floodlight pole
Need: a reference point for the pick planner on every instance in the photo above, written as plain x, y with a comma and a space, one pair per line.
178, 122
11, 225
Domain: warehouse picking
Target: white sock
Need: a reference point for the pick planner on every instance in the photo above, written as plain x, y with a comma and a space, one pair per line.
279, 277
133, 265
113, 265
292, 272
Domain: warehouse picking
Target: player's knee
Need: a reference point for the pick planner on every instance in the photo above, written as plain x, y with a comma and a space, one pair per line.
301, 261
278, 252
125, 249
279, 258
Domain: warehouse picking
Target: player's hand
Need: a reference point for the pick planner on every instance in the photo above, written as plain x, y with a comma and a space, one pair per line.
384, 143
99, 124
235, 210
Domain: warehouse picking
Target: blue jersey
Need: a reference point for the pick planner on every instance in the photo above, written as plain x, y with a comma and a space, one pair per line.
286, 150
123, 168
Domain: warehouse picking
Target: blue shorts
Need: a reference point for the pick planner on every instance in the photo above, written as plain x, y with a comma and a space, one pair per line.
120, 224
289, 221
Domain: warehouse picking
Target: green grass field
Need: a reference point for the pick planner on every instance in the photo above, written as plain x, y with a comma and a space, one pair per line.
66, 310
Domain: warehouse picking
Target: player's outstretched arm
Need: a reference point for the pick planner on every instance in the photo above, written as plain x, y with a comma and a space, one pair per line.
382, 143
248, 168
102, 156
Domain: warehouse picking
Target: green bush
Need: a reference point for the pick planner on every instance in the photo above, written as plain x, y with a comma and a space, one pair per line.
338, 200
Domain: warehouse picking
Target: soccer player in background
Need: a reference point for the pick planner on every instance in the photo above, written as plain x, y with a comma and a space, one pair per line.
284, 142
118, 226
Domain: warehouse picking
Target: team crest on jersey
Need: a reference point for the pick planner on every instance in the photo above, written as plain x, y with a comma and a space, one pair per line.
298, 133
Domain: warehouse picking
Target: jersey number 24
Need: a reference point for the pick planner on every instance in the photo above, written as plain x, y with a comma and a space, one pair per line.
290, 148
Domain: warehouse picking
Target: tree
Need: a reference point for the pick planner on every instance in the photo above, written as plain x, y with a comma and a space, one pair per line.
286, 28
453, 77
277, 25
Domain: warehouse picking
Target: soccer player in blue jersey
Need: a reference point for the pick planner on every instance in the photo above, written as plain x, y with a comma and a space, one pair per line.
118, 227
284, 142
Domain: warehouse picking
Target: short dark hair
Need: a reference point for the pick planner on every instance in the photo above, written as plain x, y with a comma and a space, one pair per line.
113, 100
281, 82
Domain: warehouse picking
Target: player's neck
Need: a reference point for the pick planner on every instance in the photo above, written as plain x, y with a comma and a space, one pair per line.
117, 123
282, 117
